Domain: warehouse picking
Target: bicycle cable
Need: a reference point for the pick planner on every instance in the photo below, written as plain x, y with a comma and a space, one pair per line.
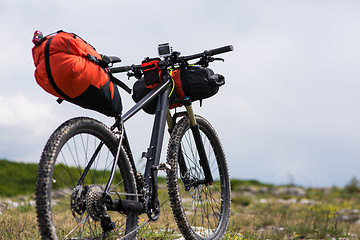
108, 185
134, 230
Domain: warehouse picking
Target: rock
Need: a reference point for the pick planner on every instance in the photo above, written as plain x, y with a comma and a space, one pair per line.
306, 201
8, 203
295, 191
3, 208
348, 215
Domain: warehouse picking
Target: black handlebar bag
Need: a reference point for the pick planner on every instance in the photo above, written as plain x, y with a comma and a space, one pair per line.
200, 83
195, 82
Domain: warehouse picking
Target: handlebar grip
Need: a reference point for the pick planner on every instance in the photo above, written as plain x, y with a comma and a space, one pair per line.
211, 52
124, 68
119, 69
225, 49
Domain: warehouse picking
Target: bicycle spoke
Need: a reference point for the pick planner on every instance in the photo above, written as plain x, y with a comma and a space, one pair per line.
64, 206
204, 207
66, 167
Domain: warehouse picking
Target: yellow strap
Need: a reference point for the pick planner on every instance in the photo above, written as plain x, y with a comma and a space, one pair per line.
173, 85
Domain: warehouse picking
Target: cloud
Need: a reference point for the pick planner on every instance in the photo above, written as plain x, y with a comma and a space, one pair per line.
290, 103
23, 123
18, 109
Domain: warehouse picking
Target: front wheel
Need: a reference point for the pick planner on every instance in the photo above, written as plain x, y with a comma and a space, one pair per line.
73, 171
201, 210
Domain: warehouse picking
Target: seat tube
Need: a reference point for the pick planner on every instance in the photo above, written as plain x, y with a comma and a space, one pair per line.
154, 150
204, 162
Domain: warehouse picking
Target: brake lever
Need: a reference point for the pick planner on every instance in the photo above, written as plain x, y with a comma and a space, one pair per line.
204, 61
218, 59
137, 73
130, 74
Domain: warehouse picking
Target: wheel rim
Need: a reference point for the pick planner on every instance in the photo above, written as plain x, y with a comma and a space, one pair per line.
201, 203
69, 213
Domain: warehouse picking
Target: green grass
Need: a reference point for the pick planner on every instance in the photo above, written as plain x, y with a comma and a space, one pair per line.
258, 212
17, 178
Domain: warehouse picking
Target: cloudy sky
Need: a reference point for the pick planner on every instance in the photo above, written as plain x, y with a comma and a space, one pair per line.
288, 113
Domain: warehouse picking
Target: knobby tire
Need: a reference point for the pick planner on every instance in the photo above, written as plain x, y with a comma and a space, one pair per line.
201, 211
63, 160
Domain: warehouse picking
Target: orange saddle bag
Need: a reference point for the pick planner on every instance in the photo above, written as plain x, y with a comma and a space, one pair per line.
69, 68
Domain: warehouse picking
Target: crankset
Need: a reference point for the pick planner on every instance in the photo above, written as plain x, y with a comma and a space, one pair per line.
152, 208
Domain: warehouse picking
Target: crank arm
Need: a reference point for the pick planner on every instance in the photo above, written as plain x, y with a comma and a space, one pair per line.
124, 205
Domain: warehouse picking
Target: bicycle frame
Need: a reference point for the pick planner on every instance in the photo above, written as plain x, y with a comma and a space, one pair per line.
162, 115
110, 183
154, 151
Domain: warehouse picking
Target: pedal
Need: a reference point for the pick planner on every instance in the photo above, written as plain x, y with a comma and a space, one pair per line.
163, 167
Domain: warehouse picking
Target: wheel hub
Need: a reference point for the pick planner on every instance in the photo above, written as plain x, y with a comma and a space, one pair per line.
190, 179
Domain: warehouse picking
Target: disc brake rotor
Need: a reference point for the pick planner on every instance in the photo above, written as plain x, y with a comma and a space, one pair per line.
78, 203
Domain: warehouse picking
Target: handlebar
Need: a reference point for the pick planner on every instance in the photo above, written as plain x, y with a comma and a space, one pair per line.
211, 52
179, 59
220, 50
124, 68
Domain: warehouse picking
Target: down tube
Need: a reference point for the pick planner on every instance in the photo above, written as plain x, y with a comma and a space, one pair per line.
154, 150
146, 100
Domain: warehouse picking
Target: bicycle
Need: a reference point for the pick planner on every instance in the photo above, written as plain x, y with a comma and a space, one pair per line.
88, 186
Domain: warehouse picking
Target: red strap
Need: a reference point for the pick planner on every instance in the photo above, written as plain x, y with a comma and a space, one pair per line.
176, 76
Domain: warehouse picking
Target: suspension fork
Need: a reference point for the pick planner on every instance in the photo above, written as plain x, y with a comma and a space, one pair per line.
204, 162
182, 166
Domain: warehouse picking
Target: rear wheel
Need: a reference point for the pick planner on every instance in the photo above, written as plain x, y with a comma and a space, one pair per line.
69, 204
201, 210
